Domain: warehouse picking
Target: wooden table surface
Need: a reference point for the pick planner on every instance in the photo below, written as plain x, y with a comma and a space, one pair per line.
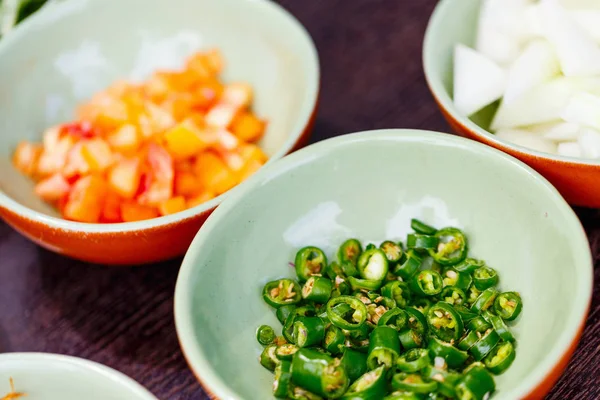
372, 77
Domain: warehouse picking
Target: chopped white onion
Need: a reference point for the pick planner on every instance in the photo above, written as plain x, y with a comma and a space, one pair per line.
589, 140
569, 149
583, 109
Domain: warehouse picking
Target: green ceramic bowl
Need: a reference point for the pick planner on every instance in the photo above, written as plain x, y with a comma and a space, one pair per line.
56, 377
369, 185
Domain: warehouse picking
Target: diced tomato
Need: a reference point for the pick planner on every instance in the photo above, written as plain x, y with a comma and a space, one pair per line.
126, 139
233, 159
184, 165
206, 95
221, 115
76, 164
85, 201
186, 183
238, 95
97, 154
172, 206
105, 111
26, 157
131, 211
154, 120
52, 188
160, 176
52, 137
53, 159
184, 140
248, 127
157, 88
80, 129
213, 173
124, 177
111, 211
206, 64
199, 199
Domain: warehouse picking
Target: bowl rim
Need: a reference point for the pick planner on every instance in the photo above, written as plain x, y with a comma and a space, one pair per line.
48, 14
543, 371
127, 383
443, 99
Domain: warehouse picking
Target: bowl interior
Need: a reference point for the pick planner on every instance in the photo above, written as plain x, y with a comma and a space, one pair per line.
72, 49
369, 186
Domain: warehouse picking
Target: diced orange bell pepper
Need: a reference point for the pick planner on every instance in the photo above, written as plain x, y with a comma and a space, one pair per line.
52, 188
131, 211
184, 140
124, 177
105, 112
207, 94
26, 157
213, 173
86, 199
206, 64
155, 120
186, 184
111, 212
76, 165
238, 95
97, 154
199, 199
248, 127
172, 206
126, 139
221, 115
156, 88
52, 160
179, 105
184, 165
159, 186
233, 159
226, 140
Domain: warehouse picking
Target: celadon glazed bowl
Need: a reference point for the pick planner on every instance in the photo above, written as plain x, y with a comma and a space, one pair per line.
453, 22
369, 185
46, 376
73, 48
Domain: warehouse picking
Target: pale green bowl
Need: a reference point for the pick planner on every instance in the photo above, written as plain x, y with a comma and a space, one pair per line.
369, 185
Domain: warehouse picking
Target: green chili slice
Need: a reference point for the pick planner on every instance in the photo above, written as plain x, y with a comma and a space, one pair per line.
485, 277
499, 326
446, 380
488, 340
393, 251
465, 313
373, 265
267, 358
478, 324
411, 339
265, 335
394, 318
468, 340
402, 395
282, 292
399, 291
454, 278
452, 247
363, 284
317, 289
310, 261
309, 331
283, 312
384, 347
354, 318
413, 383
500, 358
508, 305
453, 296
410, 266
286, 351
453, 357
413, 360
416, 320
445, 322
334, 339
421, 227
370, 386
355, 363
319, 373
485, 300
469, 265
476, 384
349, 251
283, 376
426, 283
421, 242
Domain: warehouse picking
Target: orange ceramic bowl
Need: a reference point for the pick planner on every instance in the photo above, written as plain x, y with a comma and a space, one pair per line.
45, 70
455, 21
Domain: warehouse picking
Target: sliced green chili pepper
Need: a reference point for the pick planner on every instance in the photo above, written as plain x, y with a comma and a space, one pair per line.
426, 283
286, 351
411, 339
508, 305
317, 289
446, 380
333, 270
319, 373
452, 247
309, 331
489, 339
355, 363
421, 227
485, 300
265, 335
283, 312
445, 322
500, 358
465, 313
283, 375
476, 384
461, 280
469, 265
268, 359
370, 386
453, 295
398, 291
499, 326
363, 284
349, 269
418, 241
485, 277
282, 292
373, 265
413, 360
384, 347
298, 393
422, 304
468, 340
334, 339
370, 246
394, 318
310, 261
472, 295
354, 318
478, 324
410, 266
413, 383
349, 251
288, 327
416, 320
392, 251
402, 395
454, 357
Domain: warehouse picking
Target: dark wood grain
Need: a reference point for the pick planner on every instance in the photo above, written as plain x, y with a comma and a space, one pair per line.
372, 78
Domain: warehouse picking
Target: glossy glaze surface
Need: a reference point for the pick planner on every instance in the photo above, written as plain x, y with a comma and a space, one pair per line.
368, 186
